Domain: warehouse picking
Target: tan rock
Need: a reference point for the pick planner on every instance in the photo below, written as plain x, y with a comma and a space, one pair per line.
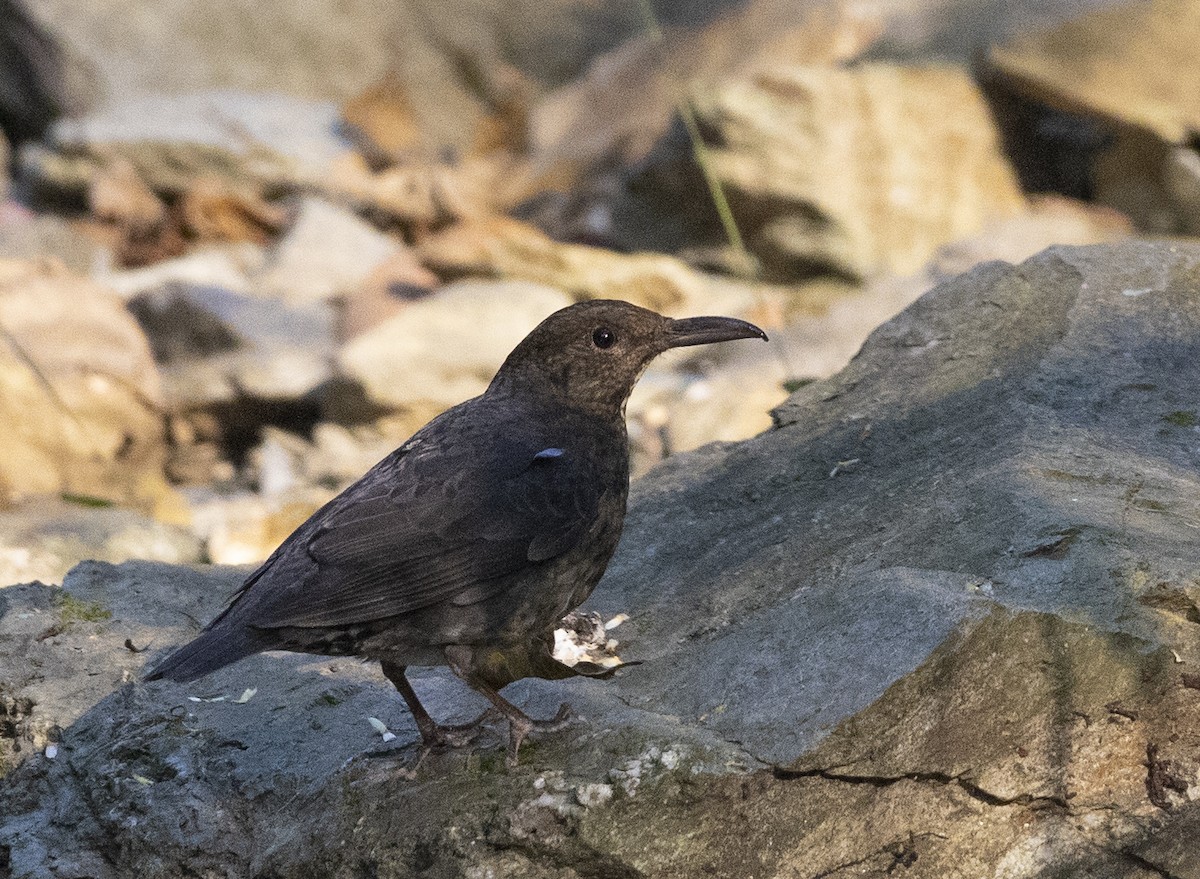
680, 409
118, 195
860, 171
381, 120
1134, 64
212, 210
428, 357
393, 283
130, 217
244, 529
505, 248
1133, 68
44, 538
625, 101
79, 391
422, 194
26, 235
510, 96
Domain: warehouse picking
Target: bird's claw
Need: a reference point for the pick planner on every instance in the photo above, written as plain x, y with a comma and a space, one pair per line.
452, 737
445, 735
520, 725
559, 721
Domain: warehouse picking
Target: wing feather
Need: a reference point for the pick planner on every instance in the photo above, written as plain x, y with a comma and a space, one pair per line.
433, 529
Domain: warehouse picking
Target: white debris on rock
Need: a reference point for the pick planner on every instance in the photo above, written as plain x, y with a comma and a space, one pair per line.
380, 727
653, 762
583, 638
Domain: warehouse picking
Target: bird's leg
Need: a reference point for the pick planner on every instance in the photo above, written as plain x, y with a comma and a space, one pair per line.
520, 724
433, 734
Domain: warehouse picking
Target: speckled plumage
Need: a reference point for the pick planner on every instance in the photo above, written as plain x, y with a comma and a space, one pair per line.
479, 533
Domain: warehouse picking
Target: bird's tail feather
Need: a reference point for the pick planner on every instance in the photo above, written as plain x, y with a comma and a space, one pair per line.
211, 650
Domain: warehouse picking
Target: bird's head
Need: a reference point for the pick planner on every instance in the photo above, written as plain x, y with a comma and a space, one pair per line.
592, 353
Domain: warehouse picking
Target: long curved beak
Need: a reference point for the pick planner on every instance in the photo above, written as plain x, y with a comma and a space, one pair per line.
705, 330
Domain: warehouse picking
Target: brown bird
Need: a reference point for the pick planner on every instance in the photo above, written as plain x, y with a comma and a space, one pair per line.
474, 538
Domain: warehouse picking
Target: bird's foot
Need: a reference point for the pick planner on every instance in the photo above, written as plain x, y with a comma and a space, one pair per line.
445, 735
520, 725
451, 737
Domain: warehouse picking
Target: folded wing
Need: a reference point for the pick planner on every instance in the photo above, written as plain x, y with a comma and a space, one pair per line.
435, 529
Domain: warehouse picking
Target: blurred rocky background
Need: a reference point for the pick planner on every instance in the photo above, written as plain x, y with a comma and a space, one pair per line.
299, 233
247, 248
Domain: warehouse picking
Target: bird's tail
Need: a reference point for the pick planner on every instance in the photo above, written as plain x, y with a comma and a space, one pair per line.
209, 651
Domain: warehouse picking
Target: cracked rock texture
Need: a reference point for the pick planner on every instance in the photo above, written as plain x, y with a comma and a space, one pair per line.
940, 621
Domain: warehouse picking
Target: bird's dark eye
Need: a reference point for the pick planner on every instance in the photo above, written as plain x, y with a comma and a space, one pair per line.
603, 337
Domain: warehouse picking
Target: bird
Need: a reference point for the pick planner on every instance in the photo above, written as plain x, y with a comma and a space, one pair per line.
470, 541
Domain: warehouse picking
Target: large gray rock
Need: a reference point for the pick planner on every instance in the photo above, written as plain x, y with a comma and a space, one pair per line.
1026, 747
1021, 436
1079, 731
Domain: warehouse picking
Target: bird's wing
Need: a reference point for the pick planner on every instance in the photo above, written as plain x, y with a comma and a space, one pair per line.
433, 530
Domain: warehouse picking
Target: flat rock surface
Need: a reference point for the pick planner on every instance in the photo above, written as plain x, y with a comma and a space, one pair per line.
942, 617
